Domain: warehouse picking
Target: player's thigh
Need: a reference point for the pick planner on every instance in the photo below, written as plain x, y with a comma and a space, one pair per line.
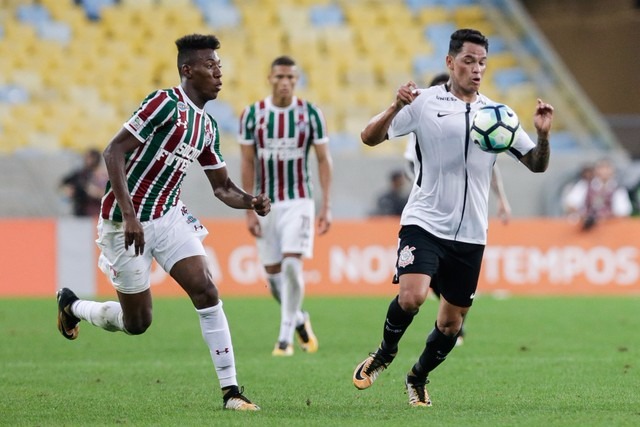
129, 273
296, 227
413, 290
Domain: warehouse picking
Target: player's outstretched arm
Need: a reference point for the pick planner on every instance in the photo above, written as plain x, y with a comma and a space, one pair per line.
376, 130
537, 160
233, 196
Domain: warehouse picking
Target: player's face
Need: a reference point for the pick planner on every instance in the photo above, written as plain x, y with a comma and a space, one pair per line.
206, 74
467, 68
283, 79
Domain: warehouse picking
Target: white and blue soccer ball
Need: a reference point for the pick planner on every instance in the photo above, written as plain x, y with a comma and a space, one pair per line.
494, 128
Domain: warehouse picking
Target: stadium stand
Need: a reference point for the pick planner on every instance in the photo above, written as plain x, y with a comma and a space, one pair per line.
82, 66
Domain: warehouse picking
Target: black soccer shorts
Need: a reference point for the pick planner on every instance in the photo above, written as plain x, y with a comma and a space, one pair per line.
456, 264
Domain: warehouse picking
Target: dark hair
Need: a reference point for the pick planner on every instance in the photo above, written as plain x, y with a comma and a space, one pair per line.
466, 35
191, 43
439, 79
283, 60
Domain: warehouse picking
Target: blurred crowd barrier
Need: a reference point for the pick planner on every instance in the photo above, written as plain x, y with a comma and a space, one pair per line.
357, 258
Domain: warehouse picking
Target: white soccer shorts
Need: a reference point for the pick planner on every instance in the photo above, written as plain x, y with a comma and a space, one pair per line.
175, 236
288, 228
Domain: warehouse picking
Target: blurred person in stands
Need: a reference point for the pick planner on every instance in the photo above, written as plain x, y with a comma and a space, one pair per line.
591, 201
393, 200
85, 186
276, 135
143, 219
444, 225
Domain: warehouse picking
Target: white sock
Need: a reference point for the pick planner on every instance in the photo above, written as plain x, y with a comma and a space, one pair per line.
105, 315
292, 293
215, 331
275, 285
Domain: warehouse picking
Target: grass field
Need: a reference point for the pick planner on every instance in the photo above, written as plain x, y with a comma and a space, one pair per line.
526, 362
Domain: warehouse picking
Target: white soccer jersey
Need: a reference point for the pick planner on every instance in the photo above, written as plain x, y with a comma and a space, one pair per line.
449, 198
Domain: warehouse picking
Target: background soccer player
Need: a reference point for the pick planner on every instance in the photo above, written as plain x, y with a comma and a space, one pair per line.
276, 134
444, 225
143, 218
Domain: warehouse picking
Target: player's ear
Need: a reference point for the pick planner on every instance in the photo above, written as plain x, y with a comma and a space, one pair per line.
185, 70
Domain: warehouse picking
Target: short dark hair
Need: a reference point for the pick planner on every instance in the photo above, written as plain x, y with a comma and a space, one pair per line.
283, 60
191, 43
466, 35
439, 79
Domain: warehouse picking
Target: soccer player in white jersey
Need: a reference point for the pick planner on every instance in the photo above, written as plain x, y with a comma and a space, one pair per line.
142, 217
276, 135
444, 225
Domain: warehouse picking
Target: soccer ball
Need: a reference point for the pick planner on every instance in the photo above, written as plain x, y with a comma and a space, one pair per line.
494, 128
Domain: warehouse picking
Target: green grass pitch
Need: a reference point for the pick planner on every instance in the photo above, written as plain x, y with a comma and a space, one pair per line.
525, 362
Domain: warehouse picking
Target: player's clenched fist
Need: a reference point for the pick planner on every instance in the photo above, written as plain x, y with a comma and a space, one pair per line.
261, 204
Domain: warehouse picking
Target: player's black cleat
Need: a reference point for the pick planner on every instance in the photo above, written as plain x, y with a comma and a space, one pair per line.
235, 400
67, 322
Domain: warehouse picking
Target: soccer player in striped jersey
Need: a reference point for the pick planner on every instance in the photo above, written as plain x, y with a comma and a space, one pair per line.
143, 218
276, 135
444, 224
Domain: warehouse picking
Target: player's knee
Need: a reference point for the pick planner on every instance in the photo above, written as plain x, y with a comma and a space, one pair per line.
204, 296
137, 326
450, 326
410, 301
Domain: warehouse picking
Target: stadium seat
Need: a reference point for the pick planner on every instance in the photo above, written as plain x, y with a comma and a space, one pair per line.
326, 15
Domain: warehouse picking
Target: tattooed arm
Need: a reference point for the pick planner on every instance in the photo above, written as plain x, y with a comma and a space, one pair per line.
537, 160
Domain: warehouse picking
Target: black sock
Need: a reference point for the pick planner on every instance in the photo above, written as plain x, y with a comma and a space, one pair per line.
435, 352
395, 325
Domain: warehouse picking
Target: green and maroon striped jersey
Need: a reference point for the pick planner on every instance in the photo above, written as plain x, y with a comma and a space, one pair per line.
173, 133
282, 138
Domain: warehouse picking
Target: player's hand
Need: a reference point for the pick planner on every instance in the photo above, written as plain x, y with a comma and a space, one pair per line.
504, 212
261, 204
253, 224
134, 236
542, 118
406, 94
324, 221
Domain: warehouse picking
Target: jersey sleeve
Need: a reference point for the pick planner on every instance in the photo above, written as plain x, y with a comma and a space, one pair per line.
247, 126
405, 121
521, 145
211, 157
318, 125
156, 110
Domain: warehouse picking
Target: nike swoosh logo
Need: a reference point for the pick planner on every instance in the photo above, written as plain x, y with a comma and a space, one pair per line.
444, 114
358, 374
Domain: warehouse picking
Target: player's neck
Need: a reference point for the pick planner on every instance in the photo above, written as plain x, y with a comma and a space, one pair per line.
281, 101
461, 94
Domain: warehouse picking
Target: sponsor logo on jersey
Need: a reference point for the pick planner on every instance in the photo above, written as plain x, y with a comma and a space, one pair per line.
182, 106
446, 98
444, 114
136, 123
406, 256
